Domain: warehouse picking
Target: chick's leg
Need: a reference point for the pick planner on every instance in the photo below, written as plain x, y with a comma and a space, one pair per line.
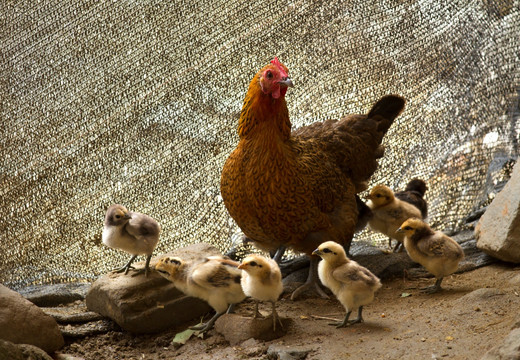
434, 288
146, 269
276, 318
256, 313
208, 325
313, 281
127, 267
346, 321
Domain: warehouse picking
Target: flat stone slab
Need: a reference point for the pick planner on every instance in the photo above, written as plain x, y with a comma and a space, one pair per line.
237, 328
82, 330
78, 313
140, 304
56, 294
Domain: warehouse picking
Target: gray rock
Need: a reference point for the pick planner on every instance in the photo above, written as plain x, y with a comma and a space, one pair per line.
22, 322
508, 350
281, 352
236, 328
140, 304
498, 230
54, 295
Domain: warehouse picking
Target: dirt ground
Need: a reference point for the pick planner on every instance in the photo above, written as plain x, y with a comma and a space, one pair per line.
401, 323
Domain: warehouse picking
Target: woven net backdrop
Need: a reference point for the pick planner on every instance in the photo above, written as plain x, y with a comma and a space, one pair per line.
137, 102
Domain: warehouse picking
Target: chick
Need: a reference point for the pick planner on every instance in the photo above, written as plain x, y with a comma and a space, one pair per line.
389, 213
215, 280
437, 252
262, 280
353, 284
414, 194
132, 232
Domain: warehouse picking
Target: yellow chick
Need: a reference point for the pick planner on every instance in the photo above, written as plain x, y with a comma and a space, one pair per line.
389, 213
262, 280
437, 252
215, 280
132, 232
353, 284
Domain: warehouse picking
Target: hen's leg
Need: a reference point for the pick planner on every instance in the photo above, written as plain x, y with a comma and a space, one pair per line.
313, 281
279, 254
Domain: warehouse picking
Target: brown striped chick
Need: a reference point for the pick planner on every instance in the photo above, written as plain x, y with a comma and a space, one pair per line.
262, 280
215, 280
437, 252
132, 232
353, 284
388, 213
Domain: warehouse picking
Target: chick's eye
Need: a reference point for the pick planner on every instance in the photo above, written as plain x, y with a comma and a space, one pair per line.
326, 250
269, 74
118, 216
253, 263
407, 228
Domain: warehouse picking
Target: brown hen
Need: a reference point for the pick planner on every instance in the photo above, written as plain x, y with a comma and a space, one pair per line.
298, 189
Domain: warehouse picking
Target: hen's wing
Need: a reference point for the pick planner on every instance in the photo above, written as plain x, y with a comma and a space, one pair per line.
354, 142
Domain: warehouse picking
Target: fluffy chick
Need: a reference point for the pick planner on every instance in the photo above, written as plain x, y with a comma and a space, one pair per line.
215, 280
388, 213
262, 280
353, 284
132, 232
437, 252
414, 194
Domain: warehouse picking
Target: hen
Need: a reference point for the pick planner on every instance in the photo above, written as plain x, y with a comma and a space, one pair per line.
298, 189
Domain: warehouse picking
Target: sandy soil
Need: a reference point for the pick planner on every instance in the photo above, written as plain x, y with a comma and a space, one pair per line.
401, 323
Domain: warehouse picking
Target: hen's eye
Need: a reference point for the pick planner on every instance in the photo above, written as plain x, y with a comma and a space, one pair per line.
269, 74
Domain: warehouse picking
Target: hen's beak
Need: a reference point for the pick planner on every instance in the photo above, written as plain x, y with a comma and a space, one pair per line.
286, 82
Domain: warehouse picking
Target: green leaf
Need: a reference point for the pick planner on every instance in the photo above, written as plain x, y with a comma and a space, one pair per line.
182, 337
405, 294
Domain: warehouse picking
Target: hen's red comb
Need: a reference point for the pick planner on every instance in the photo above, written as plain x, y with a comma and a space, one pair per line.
279, 65
276, 62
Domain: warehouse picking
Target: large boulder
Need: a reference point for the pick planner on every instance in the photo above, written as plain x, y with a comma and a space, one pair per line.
22, 322
150, 304
509, 349
498, 231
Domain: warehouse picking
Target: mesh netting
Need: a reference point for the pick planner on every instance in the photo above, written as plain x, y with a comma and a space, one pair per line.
137, 102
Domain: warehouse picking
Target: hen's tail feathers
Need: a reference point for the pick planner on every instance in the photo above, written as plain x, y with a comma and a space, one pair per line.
417, 185
385, 111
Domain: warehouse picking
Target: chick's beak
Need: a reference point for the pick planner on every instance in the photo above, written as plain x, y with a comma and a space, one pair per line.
287, 82
127, 216
316, 252
399, 230
241, 266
